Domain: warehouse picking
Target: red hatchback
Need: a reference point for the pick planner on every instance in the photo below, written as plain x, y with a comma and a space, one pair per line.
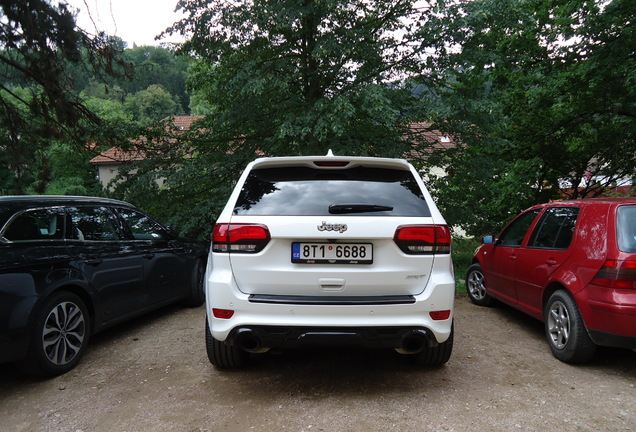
571, 264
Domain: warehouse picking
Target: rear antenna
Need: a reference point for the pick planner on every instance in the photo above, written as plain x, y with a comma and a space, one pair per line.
329, 153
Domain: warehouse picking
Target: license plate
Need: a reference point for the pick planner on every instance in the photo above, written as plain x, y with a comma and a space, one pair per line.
332, 253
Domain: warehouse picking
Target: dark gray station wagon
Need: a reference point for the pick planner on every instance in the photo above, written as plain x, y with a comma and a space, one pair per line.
72, 266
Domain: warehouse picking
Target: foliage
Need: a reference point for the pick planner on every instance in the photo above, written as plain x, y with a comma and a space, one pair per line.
70, 172
68, 186
281, 78
151, 105
294, 77
157, 66
541, 93
173, 183
38, 39
20, 150
463, 249
538, 94
61, 88
37, 103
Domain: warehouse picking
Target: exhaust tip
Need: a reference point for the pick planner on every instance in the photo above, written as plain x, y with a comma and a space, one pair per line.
249, 341
413, 342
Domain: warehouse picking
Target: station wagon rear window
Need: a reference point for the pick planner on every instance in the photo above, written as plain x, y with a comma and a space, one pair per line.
303, 191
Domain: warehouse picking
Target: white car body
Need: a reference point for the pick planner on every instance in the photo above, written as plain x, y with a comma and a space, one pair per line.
261, 299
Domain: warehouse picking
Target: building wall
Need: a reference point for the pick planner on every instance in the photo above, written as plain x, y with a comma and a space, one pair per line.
106, 173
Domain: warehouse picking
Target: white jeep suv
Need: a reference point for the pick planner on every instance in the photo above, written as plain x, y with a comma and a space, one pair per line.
329, 250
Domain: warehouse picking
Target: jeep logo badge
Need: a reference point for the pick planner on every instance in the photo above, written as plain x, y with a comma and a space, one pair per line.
332, 227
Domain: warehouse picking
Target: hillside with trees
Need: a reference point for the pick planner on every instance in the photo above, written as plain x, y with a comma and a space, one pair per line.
65, 95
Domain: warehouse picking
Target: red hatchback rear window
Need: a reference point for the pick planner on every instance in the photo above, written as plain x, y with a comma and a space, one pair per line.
626, 228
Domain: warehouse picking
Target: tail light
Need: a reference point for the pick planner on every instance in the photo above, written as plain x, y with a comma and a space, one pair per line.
617, 274
331, 164
440, 315
239, 238
423, 239
222, 313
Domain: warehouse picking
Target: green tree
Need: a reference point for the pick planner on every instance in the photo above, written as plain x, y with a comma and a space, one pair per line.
21, 148
282, 78
540, 94
303, 77
152, 104
279, 78
38, 105
157, 65
38, 40
70, 171
95, 89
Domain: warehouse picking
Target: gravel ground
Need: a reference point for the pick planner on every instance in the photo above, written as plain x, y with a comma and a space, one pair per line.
153, 375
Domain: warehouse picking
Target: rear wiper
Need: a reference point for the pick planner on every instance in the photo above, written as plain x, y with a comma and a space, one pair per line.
357, 208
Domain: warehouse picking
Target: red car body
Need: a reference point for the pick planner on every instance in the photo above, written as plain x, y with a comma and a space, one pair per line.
584, 248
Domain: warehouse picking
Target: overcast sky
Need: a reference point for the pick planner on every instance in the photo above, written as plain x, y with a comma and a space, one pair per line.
135, 21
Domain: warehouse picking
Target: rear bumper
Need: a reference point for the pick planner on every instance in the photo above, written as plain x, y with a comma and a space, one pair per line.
294, 321
612, 340
259, 338
610, 315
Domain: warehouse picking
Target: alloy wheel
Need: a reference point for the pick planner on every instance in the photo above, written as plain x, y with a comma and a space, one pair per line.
63, 333
558, 324
476, 285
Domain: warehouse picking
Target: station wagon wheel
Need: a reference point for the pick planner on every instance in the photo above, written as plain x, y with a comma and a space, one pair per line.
565, 330
59, 336
476, 286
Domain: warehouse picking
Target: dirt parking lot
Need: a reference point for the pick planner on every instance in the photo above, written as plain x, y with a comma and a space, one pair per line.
153, 375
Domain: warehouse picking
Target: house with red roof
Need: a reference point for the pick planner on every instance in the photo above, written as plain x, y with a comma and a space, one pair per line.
110, 162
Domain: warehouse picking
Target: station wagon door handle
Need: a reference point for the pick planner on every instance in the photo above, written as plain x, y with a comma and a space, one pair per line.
94, 262
149, 256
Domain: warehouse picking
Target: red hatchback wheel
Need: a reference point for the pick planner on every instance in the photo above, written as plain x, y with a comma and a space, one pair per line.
566, 331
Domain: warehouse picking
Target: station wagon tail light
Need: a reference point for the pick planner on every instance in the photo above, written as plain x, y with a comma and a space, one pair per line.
239, 238
617, 274
423, 239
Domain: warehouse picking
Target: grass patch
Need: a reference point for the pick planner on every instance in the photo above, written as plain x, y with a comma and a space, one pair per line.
462, 255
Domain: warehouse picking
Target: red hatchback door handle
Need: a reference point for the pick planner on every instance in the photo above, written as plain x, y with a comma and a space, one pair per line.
551, 261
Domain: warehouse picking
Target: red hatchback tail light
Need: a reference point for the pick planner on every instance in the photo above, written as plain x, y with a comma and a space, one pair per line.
423, 239
617, 274
239, 238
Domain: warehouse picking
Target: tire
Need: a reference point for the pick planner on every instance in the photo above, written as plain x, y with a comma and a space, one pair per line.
59, 336
476, 286
439, 355
565, 330
196, 295
221, 355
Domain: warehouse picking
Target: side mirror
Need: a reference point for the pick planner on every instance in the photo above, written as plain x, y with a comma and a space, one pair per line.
489, 239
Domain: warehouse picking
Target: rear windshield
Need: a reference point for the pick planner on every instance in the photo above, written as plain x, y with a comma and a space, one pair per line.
626, 228
302, 191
